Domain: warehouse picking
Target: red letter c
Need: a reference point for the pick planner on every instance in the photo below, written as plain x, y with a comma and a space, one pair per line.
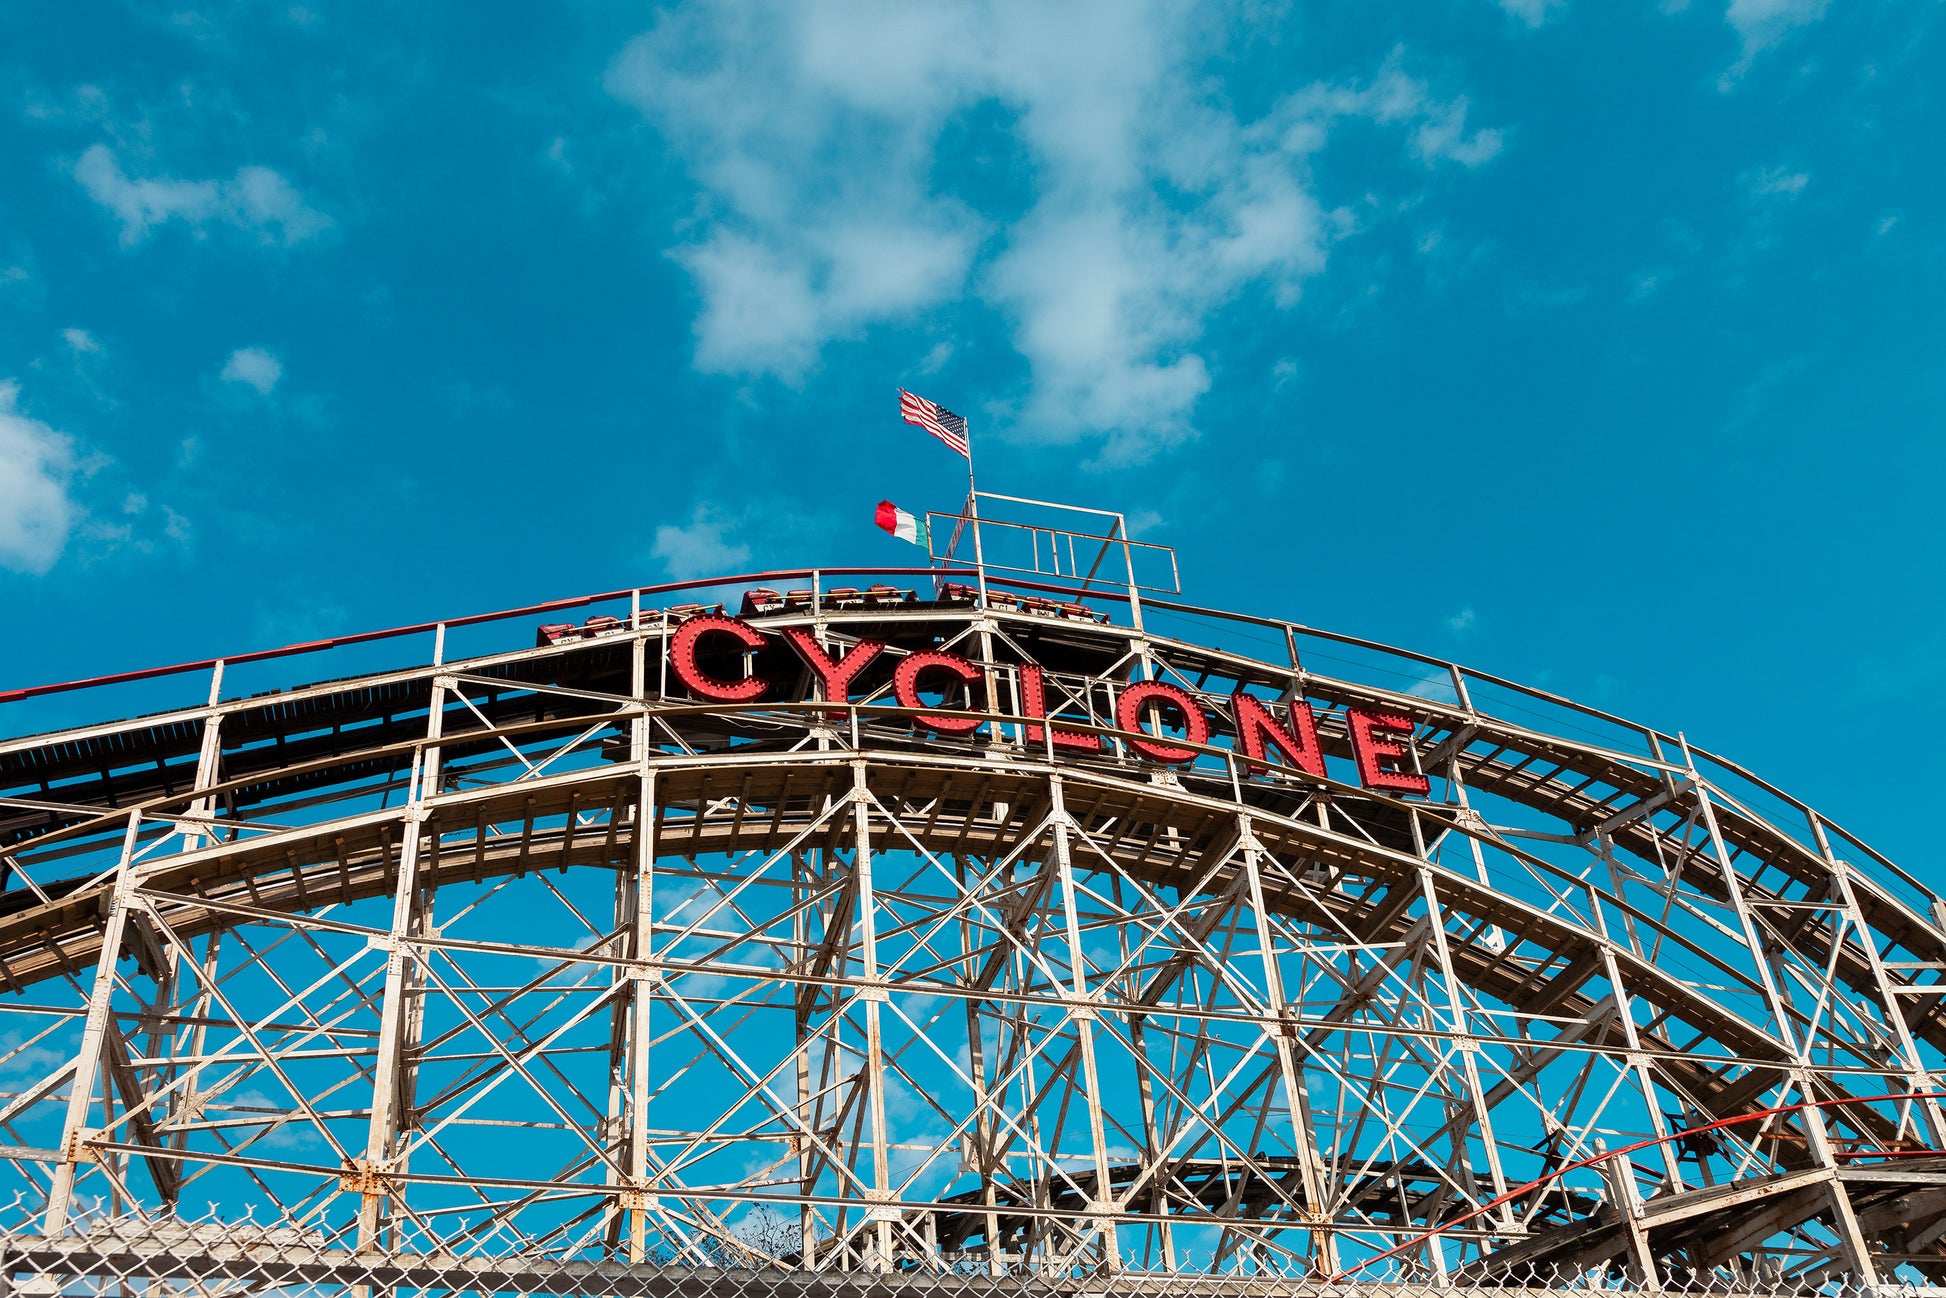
682, 656
905, 686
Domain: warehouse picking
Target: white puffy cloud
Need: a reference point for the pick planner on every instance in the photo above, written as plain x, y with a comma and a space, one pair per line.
1777, 182
700, 547
1436, 127
36, 463
139, 204
261, 199
759, 310
80, 340
1140, 201
256, 199
1763, 23
254, 367
1442, 137
1532, 12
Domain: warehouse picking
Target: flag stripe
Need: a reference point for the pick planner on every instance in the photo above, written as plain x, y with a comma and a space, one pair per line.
937, 420
905, 526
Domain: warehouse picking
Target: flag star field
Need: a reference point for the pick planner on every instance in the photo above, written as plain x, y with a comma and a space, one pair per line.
1600, 345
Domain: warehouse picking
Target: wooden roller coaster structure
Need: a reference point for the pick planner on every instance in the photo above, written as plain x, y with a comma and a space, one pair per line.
533, 950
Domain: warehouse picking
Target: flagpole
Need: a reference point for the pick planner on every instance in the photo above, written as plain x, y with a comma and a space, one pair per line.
980, 568
973, 513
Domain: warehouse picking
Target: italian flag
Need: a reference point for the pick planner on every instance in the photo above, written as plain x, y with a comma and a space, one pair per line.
903, 525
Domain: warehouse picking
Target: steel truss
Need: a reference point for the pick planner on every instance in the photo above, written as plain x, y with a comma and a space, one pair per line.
530, 954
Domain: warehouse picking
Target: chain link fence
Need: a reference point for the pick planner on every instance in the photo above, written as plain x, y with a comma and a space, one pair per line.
125, 1255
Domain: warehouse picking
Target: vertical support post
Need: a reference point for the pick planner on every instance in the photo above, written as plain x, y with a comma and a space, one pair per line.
1084, 1022
803, 885
641, 1009
615, 1122
1465, 1043
1628, 1205
197, 828
403, 1006
1638, 1062
1128, 564
208, 758
641, 948
94, 1032
1040, 1169
1152, 1143
873, 993
1324, 1242
204, 806
981, 1134
383, 1129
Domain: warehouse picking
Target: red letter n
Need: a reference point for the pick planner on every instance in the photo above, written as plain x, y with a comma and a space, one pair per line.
1298, 742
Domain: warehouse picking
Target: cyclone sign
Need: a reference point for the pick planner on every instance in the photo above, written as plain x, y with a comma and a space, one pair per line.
1380, 740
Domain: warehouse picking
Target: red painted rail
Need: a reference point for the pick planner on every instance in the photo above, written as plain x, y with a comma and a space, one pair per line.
419, 628
1651, 1143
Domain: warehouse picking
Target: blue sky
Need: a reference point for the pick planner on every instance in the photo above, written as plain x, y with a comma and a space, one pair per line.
1595, 344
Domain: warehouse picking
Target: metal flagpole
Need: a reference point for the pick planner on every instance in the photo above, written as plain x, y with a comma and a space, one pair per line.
980, 575
973, 513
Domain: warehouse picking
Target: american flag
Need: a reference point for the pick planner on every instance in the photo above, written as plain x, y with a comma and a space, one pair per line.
937, 420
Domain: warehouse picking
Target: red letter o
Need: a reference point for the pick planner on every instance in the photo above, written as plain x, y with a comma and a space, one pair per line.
682, 656
1128, 716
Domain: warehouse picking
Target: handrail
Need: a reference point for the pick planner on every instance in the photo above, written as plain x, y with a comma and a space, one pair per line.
473, 619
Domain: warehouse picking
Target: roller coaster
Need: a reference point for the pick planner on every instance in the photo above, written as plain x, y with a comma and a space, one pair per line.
941, 920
